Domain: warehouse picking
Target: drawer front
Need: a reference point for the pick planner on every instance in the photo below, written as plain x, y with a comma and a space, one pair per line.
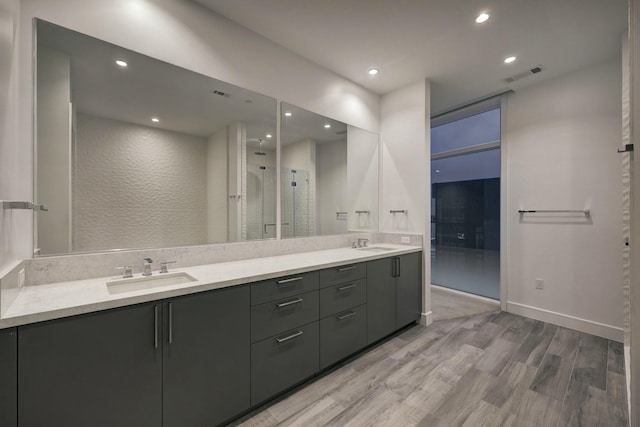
280, 362
341, 297
342, 274
342, 335
283, 287
278, 316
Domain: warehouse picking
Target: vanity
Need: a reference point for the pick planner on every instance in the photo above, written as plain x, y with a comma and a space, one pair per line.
195, 173
202, 352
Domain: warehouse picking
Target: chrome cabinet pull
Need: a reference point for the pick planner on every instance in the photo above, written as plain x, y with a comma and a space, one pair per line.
351, 267
293, 279
398, 268
346, 315
345, 288
288, 337
170, 323
155, 326
285, 304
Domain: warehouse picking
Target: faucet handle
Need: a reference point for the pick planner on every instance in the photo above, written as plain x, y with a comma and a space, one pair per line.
163, 266
147, 260
127, 271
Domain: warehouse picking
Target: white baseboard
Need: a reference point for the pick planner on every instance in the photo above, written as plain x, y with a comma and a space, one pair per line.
577, 323
426, 318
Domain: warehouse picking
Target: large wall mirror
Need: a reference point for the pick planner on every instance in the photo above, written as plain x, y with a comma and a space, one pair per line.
329, 175
133, 152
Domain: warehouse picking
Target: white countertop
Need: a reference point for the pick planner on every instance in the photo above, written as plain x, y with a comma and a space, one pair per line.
56, 300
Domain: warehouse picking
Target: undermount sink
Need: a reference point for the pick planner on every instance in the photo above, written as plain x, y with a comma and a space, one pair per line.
151, 282
375, 249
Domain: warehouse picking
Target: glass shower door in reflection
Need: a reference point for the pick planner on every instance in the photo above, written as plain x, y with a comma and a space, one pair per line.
297, 220
261, 203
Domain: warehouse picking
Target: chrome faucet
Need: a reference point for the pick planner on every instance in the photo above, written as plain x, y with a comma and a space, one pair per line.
127, 271
163, 266
362, 243
147, 267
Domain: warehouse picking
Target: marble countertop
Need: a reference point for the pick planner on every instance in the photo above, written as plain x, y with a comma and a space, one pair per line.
57, 300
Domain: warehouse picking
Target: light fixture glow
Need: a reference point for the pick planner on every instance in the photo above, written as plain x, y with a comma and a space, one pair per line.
327, 126
483, 17
509, 59
121, 63
373, 71
288, 114
269, 135
437, 170
155, 119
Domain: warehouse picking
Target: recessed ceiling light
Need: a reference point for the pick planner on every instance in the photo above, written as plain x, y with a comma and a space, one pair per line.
327, 126
373, 71
288, 114
483, 17
121, 63
269, 135
155, 119
509, 59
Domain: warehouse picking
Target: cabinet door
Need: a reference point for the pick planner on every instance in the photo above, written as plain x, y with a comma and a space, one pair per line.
381, 299
8, 377
342, 334
283, 361
206, 357
99, 369
408, 289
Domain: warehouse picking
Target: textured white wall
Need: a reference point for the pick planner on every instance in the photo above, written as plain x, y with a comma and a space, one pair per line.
562, 138
54, 151
217, 192
331, 189
137, 186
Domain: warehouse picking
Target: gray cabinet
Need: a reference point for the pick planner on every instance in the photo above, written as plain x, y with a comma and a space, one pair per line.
281, 315
206, 363
342, 334
283, 361
284, 334
381, 298
8, 377
394, 294
178, 362
99, 369
408, 289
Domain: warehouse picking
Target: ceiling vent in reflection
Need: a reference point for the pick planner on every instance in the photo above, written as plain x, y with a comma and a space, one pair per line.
520, 76
220, 93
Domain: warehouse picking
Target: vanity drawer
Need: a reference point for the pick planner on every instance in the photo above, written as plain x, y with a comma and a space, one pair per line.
282, 361
342, 274
342, 335
341, 297
283, 287
278, 316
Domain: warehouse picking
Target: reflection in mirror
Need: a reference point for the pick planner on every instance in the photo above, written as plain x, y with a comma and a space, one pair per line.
329, 175
133, 152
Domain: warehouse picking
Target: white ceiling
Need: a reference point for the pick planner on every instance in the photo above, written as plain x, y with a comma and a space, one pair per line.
409, 40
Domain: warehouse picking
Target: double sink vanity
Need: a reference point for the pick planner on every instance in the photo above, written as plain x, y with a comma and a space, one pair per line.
199, 345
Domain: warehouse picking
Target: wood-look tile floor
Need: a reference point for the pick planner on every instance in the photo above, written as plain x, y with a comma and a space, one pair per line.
492, 369
449, 305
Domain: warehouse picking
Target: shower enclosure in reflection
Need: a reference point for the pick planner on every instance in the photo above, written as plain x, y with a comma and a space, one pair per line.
261, 205
297, 219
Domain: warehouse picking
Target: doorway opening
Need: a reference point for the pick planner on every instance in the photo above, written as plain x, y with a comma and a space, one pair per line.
465, 202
